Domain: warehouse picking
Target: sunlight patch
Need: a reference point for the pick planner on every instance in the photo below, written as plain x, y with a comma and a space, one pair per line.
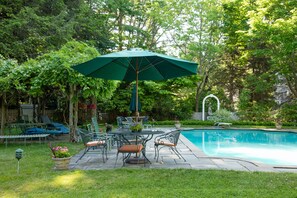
68, 180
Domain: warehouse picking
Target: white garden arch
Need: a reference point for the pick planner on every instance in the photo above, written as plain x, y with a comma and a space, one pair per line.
203, 104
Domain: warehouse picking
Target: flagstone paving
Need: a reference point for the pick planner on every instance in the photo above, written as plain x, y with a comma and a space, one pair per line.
195, 159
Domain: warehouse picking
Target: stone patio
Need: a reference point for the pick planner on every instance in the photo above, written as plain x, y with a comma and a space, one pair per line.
195, 159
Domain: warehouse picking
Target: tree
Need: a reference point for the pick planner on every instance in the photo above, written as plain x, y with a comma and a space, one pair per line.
32, 28
139, 23
57, 76
278, 20
6, 85
198, 37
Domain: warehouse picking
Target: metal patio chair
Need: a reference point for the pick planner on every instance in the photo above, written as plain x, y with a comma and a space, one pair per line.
168, 140
93, 142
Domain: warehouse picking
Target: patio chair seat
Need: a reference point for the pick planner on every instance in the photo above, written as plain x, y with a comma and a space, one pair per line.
95, 143
165, 143
130, 148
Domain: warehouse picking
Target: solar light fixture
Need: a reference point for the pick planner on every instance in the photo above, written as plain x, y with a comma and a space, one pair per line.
18, 156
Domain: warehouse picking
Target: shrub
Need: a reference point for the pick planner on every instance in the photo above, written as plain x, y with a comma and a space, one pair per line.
222, 115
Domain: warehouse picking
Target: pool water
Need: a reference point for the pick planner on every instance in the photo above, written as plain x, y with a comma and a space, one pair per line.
274, 148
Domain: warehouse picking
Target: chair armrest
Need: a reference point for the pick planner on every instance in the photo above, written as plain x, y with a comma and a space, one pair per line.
171, 136
162, 136
98, 136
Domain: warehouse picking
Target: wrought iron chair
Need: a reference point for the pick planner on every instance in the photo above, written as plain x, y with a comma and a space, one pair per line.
123, 123
145, 123
168, 140
96, 129
128, 148
93, 142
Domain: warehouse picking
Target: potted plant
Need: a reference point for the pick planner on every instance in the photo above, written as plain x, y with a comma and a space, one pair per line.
136, 127
61, 157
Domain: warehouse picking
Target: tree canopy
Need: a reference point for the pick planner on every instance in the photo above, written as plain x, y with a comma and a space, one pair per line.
242, 47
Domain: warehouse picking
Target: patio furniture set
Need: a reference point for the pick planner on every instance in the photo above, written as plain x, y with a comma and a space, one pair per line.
127, 142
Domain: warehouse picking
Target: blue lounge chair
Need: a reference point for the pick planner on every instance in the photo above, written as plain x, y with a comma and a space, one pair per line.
54, 125
36, 130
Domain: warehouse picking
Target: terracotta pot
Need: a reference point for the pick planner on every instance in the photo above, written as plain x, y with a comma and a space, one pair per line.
61, 163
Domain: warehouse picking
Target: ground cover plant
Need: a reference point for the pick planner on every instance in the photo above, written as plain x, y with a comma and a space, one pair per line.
38, 179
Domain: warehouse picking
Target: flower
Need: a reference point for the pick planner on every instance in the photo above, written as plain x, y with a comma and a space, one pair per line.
60, 152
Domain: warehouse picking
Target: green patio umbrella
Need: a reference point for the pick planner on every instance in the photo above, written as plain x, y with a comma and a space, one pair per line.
136, 64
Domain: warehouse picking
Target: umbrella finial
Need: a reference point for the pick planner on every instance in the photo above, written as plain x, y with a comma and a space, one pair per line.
135, 49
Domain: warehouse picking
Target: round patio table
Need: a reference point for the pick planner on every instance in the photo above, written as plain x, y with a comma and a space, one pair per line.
145, 135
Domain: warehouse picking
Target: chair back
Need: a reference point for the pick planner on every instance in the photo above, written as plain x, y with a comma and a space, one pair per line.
85, 135
120, 121
95, 125
145, 119
129, 119
90, 127
88, 136
173, 137
45, 119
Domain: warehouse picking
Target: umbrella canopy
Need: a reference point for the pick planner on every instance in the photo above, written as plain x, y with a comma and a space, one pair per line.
136, 64
133, 101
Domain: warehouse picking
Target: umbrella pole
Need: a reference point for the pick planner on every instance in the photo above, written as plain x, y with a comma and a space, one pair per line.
136, 100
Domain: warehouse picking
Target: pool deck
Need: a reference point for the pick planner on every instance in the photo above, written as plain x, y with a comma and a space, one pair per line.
195, 159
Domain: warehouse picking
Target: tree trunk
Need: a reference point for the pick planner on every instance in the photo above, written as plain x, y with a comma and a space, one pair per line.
94, 110
75, 121
200, 87
71, 124
3, 107
120, 25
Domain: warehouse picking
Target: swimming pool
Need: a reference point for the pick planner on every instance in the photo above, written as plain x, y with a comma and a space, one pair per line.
274, 148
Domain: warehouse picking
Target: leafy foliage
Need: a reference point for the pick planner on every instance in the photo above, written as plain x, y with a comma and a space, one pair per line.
222, 115
241, 47
288, 112
6, 66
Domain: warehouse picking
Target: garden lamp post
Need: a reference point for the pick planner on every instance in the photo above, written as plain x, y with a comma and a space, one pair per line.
18, 156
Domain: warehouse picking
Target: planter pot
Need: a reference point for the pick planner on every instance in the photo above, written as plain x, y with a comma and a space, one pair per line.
61, 163
178, 125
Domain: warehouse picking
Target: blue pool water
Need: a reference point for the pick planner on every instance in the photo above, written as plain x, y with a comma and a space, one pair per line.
274, 148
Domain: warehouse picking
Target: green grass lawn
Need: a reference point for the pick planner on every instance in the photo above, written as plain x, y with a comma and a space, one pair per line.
38, 179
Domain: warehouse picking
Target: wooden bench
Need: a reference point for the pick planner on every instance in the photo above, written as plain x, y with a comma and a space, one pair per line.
25, 137
223, 124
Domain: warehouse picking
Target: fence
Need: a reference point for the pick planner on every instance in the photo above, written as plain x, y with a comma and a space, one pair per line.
13, 115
